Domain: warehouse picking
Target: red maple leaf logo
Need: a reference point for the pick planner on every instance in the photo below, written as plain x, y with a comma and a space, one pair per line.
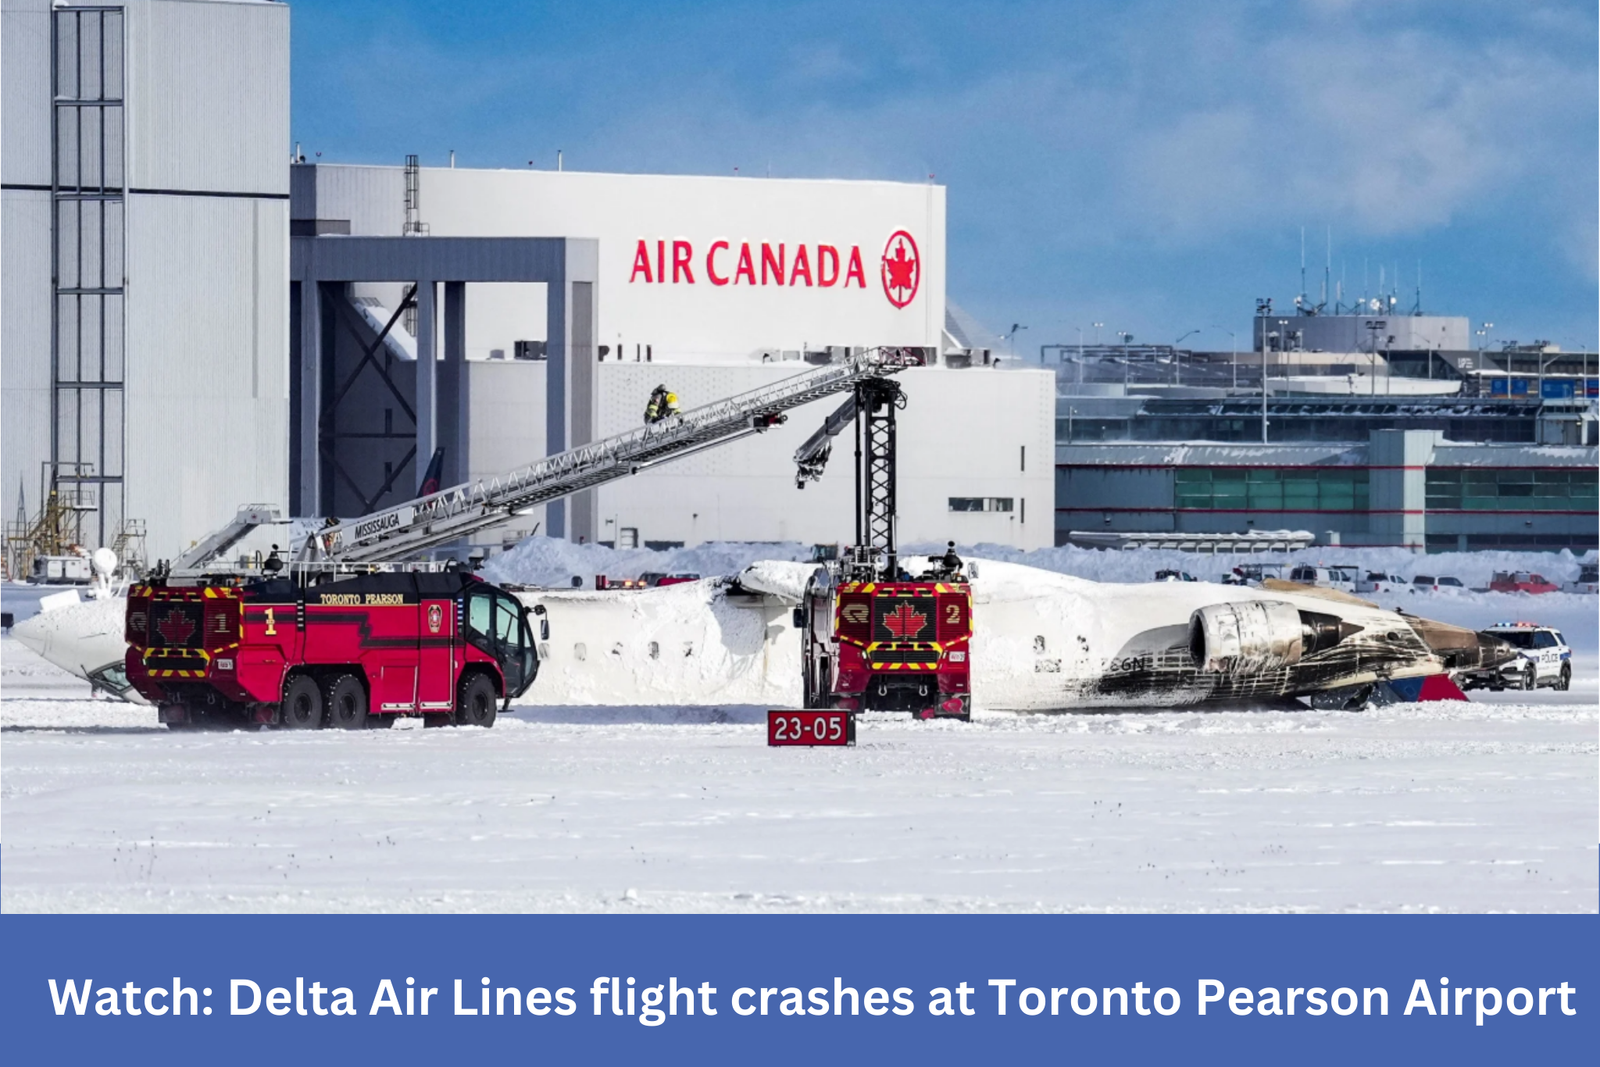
905, 622
902, 268
175, 627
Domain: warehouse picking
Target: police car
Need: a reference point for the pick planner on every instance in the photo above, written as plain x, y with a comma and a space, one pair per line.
1543, 659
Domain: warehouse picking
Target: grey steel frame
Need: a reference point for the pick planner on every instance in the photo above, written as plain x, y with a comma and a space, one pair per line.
93, 187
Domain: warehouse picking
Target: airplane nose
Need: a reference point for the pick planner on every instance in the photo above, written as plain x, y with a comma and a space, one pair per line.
32, 635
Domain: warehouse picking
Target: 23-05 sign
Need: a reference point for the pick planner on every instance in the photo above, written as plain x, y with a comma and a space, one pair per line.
811, 728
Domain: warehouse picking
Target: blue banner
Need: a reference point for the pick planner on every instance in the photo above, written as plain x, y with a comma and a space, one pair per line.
798, 989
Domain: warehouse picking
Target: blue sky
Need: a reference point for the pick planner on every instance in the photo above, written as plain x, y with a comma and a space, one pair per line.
1145, 165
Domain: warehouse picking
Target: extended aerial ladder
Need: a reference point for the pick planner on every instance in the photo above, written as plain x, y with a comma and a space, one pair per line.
871, 410
407, 530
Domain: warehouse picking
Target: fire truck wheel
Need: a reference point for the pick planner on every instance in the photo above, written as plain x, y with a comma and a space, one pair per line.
346, 699
302, 703
475, 701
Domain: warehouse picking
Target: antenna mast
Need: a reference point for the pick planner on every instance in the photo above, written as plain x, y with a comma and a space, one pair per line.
1302, 300
1327, 270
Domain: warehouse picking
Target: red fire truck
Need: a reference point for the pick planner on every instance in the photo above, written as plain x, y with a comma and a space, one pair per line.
891, 646
351, 651
877, 637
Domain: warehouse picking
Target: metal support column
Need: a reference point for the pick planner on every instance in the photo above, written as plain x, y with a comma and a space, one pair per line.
308, 413
427, 370
453, 398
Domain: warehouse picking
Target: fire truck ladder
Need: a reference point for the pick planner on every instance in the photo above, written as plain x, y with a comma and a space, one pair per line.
871, 408
449, 515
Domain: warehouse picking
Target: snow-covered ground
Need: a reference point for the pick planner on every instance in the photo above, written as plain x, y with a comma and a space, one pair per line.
1483, 806
1470, 807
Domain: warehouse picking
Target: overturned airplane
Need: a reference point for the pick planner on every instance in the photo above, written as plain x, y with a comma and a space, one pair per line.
1042, 642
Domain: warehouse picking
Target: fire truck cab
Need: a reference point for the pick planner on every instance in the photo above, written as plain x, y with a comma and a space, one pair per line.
350, 652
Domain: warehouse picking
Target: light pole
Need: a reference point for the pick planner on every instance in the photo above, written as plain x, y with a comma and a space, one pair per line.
1097, 333
1126, 365
1080, 353
1177, 360
1483, 344
1234, 338
1265, 334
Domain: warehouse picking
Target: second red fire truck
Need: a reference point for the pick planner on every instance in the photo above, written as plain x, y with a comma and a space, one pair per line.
875, 636
351, 651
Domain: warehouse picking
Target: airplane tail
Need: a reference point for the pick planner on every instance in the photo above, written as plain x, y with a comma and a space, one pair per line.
430, 477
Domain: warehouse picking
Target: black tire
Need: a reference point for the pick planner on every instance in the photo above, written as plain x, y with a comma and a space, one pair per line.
346, 700
302, 703
1564, 680
476, 702
1530, 678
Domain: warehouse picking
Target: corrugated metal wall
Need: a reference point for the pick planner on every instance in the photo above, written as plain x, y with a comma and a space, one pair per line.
207, 291
25, 250
208, 96
25, 92
208, 345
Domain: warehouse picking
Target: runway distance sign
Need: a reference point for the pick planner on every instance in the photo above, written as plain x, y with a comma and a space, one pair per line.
810, 728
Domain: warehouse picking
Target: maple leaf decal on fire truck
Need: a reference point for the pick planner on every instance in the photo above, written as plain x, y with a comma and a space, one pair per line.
175, 627
902, 269
905, 622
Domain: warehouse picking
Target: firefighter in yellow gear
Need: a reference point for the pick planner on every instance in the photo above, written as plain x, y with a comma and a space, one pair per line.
661, 404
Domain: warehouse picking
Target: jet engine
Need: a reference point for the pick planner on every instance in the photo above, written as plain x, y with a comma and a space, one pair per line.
1261, 635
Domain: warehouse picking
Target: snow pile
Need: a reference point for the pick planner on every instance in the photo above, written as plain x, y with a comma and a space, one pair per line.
552, 562
1106, 565
786, 581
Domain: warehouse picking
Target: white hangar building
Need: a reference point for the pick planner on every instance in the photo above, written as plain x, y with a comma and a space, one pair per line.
193, 321
708, 285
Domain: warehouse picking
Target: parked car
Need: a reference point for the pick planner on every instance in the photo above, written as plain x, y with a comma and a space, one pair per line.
1521, 582
677, 579
1588, 579
1341, 578
1544, 659
1379, 582
1427, 583
1252, 573
1175, 576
